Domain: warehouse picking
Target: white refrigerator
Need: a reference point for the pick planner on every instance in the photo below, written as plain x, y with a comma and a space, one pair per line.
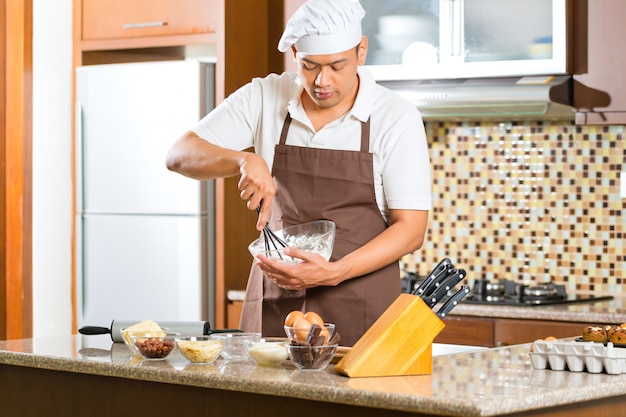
144, 235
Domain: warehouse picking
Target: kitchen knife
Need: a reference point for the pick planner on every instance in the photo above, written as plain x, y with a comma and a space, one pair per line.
436, 282
454, 277
437, 272
453, 301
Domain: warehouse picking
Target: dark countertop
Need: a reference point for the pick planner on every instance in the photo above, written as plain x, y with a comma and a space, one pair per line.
601, 312
488, 382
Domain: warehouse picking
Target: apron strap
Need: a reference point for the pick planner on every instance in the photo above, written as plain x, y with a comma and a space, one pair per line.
283, 133
365, 133
365, 136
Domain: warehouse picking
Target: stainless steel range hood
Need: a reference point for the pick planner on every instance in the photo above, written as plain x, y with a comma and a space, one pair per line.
537, 97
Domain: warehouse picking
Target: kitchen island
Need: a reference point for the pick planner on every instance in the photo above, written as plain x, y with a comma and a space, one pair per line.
80, 375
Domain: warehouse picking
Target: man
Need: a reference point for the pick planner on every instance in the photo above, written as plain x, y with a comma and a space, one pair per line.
331, 144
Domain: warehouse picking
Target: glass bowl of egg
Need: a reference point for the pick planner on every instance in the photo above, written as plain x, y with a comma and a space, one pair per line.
298, 325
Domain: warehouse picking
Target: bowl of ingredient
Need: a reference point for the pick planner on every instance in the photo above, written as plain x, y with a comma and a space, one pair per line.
200, 349
317, 237
310, 357
236, 344
269, 351
154, 345
308, 327
147, 326
306, 333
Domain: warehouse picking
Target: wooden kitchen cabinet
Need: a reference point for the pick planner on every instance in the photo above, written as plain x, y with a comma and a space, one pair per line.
114, 19
600, 85
512, 332
474, 331
493, 332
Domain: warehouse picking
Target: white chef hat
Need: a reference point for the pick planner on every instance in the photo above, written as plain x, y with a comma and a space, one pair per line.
321, 27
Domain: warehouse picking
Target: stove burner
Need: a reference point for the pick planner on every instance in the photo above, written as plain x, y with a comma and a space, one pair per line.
548, 290
495, 298
507, 292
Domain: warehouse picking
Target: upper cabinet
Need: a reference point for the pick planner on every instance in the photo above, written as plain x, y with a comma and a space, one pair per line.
438, 39
113, 19
123, 24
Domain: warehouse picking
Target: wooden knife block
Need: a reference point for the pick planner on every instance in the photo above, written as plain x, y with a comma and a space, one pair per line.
398, 343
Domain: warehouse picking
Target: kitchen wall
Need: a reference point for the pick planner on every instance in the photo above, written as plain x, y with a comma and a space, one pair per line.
531, 201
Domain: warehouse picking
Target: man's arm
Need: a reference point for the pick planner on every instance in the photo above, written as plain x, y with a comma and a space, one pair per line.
197, 158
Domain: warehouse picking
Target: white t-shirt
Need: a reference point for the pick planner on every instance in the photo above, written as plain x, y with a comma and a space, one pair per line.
253, 116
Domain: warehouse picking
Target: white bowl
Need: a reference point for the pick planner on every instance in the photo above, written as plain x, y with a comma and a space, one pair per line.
406, 25
395, 43
317, 236
269, 351
397, 32
420, 53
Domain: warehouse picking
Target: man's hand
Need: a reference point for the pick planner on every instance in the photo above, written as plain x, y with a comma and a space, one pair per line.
257, 187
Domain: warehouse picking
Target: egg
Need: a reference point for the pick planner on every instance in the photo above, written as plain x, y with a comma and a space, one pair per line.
292, 317
550, 339
302, 327
532, 346
314, 318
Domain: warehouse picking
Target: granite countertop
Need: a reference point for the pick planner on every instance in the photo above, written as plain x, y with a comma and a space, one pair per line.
487, 382
600, 312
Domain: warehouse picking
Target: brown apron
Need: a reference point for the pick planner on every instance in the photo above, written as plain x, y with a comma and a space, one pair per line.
314, 184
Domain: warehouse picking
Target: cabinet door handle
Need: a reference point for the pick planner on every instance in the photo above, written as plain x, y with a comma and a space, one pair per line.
457, 24
451, 31
143, 25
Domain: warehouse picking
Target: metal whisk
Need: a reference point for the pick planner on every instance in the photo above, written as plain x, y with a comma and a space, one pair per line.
271, 240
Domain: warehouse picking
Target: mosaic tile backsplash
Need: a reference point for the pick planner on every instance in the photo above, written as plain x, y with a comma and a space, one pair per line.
531, 201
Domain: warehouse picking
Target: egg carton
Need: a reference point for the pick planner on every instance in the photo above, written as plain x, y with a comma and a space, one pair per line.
579, 356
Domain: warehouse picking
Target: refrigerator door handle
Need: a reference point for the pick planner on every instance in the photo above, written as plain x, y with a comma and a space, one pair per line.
80, 134
80, 207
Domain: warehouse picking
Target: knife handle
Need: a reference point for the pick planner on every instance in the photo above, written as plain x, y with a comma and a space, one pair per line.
455, 276
453, 301
433, 283
441, 267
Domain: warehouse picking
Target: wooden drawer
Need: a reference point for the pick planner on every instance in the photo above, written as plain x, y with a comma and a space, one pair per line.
492, 332
115, 19
467, 331
513, 332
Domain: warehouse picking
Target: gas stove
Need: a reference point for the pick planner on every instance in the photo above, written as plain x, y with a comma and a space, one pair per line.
507, 292
510, 293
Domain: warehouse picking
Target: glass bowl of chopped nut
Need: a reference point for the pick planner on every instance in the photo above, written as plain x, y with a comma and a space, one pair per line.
200, 349
154, 345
